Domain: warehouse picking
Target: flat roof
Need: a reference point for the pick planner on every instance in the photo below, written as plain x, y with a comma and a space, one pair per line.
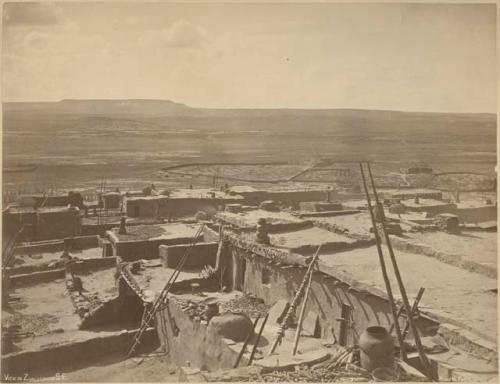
474, 246
307, 236
424, 203
248, 219
450, 292
156, 232
19, 209
409, 190
280, 188
205, 193
355, 224
45, 309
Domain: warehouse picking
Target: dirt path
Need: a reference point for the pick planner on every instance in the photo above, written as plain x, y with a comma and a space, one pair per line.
140, 369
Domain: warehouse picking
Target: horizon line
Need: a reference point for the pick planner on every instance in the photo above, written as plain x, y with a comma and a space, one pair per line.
253, 108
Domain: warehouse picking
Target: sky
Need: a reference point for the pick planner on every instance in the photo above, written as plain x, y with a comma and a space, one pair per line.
411, 57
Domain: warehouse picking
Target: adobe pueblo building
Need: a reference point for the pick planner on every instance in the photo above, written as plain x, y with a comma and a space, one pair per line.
286, 283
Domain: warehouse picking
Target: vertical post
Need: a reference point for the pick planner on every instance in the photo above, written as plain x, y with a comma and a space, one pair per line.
423, 357
345, 316
383, 267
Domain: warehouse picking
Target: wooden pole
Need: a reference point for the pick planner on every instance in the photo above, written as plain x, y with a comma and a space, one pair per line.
415, 305
293, 305
254, 349
423, 357
301, 316
246, 342
383, 267
414, 311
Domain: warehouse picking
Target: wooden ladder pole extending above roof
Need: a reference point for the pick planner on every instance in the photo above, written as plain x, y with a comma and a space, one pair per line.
295, 302
148, 316
423, 358
383, 266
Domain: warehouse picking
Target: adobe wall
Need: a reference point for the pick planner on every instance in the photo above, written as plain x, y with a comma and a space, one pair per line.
289, 198
145, 249
327, 296
188, 341
477, 214
201, 254
36, 274
58, 224
71, 356
13, 221
175, 207
79, 242
179, 207
97, 229
404, 195
433, 209
145, 207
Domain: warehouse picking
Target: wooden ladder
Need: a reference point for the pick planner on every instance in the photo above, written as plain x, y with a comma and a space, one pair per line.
148, 315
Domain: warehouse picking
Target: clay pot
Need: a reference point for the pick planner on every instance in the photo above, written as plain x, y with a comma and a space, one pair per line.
211, 310
234, 326
376, 348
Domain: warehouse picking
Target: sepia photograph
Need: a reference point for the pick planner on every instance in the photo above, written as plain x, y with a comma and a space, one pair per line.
249, 192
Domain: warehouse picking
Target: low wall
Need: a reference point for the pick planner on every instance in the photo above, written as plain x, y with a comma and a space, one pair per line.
175, 207
78, 242
67, 357
432, 209
189, 343
201, 254
97, 229
330, 213
404, 195
27, 275
289, 198
477, 214
36, 277
146, 249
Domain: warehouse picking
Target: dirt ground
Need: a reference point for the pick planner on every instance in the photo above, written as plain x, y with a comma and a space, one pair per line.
139, 369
